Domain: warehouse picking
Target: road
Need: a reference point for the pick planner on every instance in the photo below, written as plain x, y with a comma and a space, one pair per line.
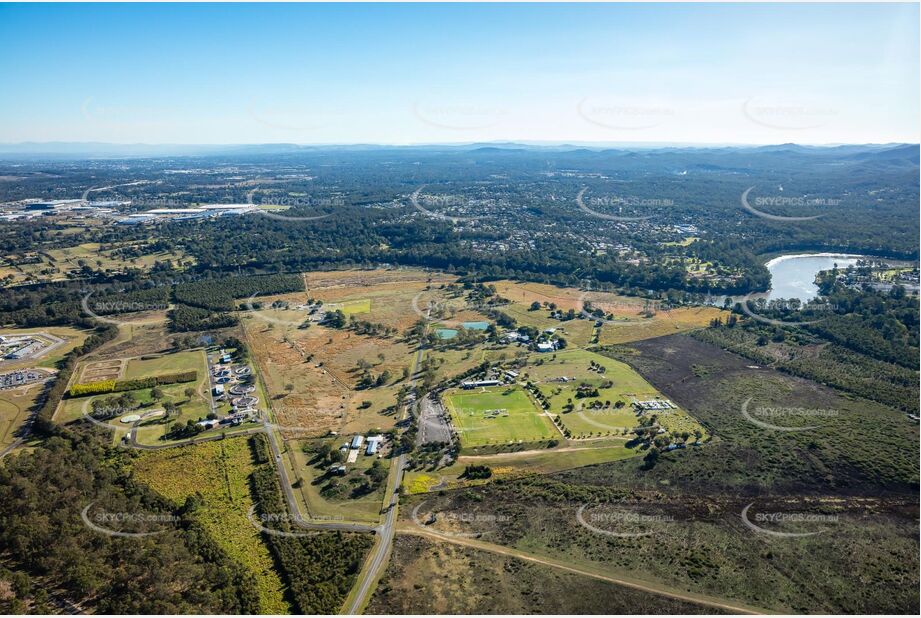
293, 506
375, 565
652, 588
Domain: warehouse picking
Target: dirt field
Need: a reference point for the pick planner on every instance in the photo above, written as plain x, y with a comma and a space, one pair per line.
312, 374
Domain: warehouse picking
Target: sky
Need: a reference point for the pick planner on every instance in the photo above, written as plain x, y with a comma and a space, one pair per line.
419, 73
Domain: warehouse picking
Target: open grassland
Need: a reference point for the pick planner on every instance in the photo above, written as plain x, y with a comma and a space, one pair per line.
663, 323
700, 544
55, 264
216, 475
627, 318
497, 415
139, 334
472, 581
521, 461
15, 406
145, 367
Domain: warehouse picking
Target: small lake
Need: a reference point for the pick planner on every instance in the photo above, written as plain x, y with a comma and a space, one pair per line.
793, 276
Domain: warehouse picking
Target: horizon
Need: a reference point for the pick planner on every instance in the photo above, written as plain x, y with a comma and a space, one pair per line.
389, 75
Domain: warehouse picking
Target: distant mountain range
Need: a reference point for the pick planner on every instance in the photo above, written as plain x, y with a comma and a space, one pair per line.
93, 150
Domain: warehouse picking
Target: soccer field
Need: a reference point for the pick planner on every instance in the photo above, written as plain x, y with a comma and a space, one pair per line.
497, 415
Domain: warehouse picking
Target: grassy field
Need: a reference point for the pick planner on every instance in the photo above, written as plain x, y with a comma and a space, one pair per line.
14, 410
497, 415
663, 323
218, 474
627, 386
169, 363
521, 462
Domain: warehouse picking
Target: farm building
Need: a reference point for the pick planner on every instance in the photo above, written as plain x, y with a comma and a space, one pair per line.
477, 383
357, 441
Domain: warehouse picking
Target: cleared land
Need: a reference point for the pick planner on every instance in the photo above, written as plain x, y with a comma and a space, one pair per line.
313, 374
56, 264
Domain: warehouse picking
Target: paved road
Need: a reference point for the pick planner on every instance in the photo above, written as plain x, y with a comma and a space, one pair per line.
731, 606
374, 568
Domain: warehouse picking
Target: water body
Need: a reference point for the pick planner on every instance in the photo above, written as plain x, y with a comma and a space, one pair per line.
793, 276
476, 325
446, 333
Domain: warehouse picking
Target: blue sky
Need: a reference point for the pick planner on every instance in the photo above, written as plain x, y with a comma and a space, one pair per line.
412, 73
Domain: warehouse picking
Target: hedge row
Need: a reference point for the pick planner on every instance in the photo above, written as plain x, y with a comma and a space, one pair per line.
117, 386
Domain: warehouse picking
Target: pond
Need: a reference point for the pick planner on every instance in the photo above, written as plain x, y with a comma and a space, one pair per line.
793, 276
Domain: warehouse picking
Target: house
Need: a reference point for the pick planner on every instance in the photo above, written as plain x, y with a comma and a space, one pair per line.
546, 346
373, 443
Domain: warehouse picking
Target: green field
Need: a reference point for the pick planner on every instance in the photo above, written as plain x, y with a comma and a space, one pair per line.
352, 307
169, 363
498, 415
583, 421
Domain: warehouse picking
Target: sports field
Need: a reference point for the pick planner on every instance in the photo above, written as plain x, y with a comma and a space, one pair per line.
497, 415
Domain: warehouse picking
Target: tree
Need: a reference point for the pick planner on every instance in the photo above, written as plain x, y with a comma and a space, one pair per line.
189, 393
156, 393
